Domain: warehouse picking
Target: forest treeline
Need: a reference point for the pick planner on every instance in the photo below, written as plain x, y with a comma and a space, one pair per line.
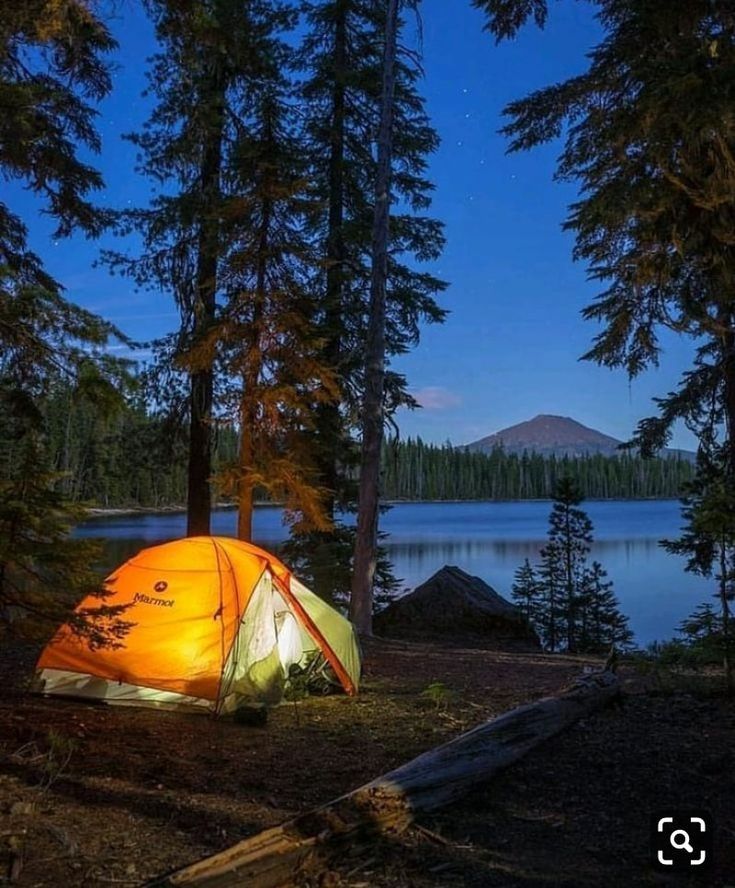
413, 470
132, 458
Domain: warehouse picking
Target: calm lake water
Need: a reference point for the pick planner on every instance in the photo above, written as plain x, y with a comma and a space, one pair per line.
489, 540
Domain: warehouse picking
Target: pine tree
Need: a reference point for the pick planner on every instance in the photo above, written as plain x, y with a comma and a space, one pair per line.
506, 17
211, 54
652, 150
44, 572
338, 57
704, 636
366, 540
708, 540
342, 61
601, 623
527, 593
551, 575
267, 338
52, 70
577, 608
570, 532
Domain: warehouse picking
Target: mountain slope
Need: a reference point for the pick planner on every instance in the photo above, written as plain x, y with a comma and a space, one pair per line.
550, 435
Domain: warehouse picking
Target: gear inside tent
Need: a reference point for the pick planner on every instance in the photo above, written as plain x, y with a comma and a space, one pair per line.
217, 623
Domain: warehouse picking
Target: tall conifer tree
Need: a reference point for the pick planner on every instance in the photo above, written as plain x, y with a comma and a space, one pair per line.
575, 606
274, 380
600, 624
211, 54
52, 69
372, 406
342, 58
708, 543
527, 593
652, 147
570, 532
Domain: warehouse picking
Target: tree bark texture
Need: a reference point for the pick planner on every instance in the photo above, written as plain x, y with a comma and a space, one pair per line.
329, 422
199, 496
366, 541
728, 366
251, 382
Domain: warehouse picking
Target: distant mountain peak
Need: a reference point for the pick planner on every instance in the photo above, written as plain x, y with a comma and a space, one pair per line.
550, 435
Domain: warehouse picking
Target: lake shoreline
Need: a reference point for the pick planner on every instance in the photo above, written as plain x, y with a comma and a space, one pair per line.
123, 511
486, 539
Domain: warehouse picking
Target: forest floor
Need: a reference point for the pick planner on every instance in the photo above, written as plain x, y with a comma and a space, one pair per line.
93, 795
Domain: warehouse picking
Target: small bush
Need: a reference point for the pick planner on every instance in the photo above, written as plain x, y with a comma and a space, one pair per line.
438, 694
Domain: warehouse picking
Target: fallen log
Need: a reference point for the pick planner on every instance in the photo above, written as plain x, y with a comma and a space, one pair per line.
275, 857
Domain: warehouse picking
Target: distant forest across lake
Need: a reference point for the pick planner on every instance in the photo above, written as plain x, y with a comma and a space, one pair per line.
133, 458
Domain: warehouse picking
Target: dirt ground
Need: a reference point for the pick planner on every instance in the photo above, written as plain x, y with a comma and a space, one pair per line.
94, 795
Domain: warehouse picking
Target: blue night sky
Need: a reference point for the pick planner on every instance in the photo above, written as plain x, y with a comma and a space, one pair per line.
511, 344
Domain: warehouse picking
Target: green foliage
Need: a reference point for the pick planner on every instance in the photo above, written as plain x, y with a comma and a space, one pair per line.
341, 58
601, 625
702, 643
43, 571
125, 456
324, 563
708, 543
650, 141
506, 17
51, 65
341, 61
570, 535
702, 632
413, 470
525, 592
570, 604
438, 694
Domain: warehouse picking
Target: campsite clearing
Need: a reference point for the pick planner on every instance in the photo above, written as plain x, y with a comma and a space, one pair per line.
96, 795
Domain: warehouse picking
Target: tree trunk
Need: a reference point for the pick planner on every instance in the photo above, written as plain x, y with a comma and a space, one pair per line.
328, 421
728, 346
725, 605
198, 508
366, 542
251, 381
199, 498
244, 485
569, 582
277, 857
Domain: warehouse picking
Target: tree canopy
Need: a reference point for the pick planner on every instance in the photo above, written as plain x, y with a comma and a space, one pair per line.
650, 140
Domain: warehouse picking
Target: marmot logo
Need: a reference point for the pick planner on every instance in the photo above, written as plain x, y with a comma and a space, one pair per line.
146, 599
161, 586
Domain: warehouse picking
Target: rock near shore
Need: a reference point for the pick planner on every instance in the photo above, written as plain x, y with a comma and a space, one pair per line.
454, 607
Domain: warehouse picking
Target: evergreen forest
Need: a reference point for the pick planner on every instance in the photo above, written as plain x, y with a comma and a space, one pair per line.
131, 458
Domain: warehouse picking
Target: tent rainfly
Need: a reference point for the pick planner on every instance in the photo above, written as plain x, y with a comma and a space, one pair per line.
217, 623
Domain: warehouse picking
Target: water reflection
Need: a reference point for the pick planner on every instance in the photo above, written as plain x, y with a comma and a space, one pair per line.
489, 540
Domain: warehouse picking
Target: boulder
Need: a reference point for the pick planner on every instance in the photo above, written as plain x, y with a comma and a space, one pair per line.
453, 606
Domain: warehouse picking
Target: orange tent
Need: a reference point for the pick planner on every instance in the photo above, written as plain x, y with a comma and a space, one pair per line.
216, 622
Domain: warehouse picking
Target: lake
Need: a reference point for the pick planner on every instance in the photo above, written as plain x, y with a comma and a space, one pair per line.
490, 540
